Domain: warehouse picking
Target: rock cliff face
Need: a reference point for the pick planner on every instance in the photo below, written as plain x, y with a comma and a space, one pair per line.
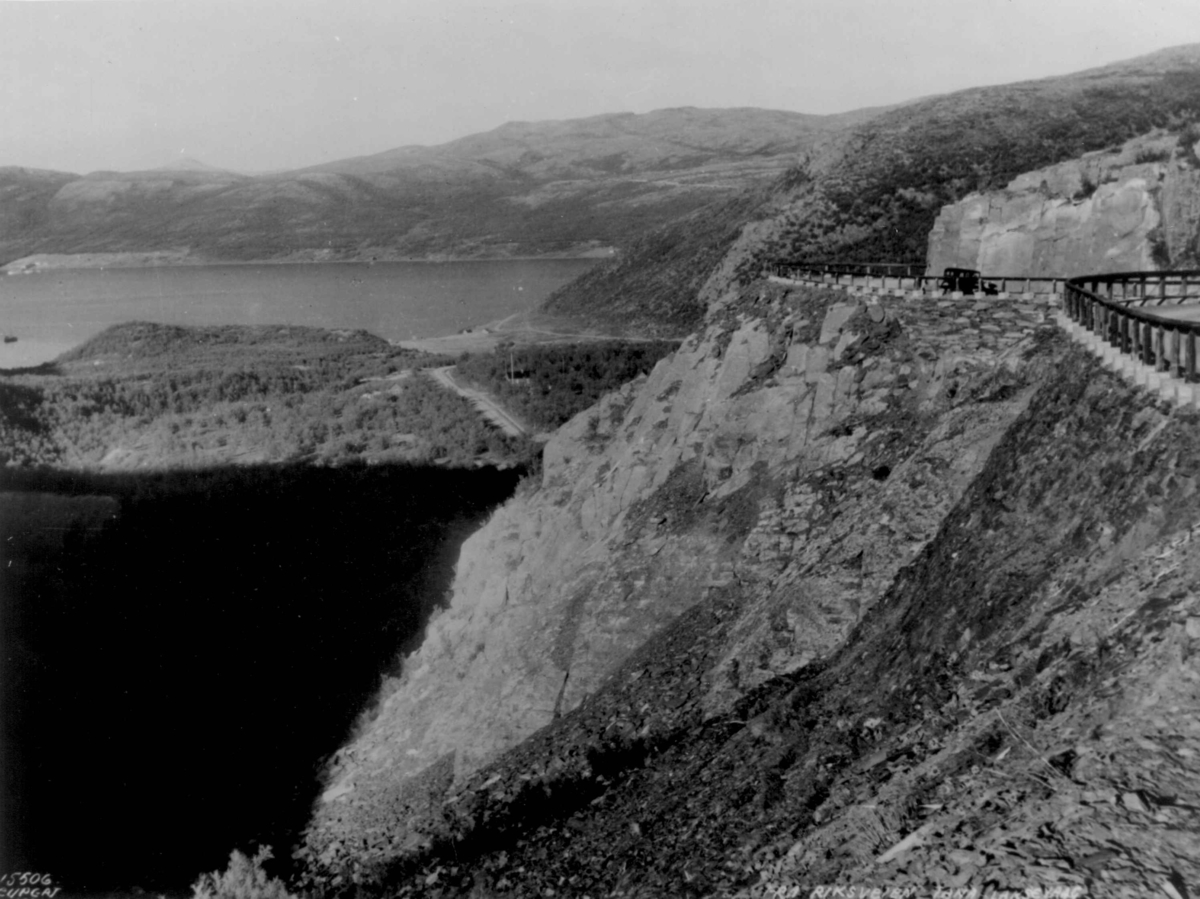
1133, 209
796, 454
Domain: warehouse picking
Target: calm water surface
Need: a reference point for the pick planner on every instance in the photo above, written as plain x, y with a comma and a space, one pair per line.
50, 312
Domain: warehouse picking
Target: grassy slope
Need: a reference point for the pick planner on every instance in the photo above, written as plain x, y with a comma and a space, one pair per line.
654, 286
25, 196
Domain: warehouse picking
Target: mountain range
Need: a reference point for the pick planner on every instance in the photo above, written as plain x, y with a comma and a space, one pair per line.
545, 188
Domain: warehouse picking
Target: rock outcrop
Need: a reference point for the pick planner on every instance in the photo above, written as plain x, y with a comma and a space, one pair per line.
1132, 209
798, 453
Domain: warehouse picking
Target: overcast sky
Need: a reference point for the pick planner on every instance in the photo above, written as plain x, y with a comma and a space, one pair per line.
257, 85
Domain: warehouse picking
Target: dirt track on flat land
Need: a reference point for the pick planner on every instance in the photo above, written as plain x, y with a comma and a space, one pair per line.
487, 407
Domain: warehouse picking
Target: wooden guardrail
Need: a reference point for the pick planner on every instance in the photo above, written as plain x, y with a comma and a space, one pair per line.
870, 269
1141, 315
906, 276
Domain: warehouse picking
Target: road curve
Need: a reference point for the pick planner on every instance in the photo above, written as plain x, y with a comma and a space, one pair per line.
486, 406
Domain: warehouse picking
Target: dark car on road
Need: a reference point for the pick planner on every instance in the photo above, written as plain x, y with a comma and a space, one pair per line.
967, 280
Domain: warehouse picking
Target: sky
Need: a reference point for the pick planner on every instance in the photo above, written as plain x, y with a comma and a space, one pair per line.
265, 85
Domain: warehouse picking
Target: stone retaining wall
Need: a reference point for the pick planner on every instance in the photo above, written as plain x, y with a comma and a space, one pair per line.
995, 322
1031, 289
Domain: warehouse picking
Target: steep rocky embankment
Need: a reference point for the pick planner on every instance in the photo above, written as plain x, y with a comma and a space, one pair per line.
793, 457
1136, 208
939, 629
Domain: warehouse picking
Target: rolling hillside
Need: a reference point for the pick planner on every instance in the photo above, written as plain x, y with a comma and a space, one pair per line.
542, 188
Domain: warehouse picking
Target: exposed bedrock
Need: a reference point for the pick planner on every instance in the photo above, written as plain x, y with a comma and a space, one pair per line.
1131, 209
794, 456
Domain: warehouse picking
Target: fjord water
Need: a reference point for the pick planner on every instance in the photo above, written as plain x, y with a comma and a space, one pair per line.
51, 311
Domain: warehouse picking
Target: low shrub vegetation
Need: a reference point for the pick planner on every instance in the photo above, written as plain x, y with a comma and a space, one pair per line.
548, 385
245, 878
178, 396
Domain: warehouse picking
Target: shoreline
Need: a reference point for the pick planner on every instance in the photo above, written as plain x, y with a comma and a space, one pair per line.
522, 328
48, 262
528, 328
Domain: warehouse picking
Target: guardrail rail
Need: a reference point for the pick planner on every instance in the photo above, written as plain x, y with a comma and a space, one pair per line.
1117, 308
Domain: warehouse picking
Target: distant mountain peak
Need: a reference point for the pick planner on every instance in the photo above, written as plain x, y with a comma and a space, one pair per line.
188, 164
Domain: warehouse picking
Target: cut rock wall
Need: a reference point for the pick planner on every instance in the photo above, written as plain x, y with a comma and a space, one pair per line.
1104, 212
